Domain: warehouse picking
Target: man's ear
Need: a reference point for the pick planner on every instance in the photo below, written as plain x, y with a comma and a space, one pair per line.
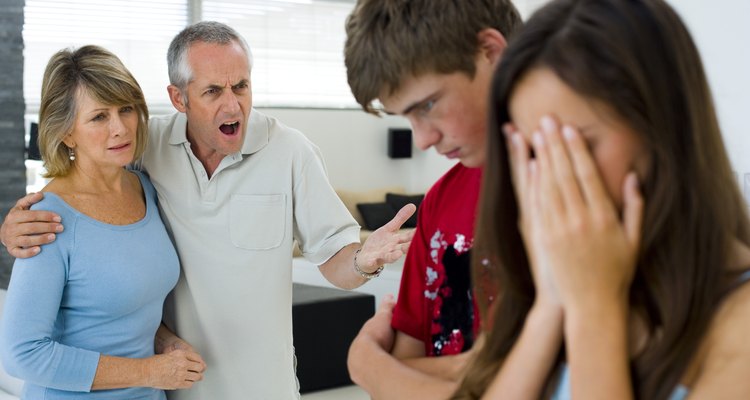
492, 44
177, 98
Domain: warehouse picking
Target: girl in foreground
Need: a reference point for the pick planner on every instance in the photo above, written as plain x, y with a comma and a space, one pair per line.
610, 216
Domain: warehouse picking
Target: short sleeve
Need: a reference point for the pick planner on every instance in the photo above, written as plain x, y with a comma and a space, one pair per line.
322, 224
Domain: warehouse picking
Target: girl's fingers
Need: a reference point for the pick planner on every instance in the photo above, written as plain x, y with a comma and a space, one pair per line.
632, 214
594, 192
548, 199
533, 192
519, 158
562, 167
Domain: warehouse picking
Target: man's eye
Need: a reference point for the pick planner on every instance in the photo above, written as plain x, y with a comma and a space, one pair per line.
427, 106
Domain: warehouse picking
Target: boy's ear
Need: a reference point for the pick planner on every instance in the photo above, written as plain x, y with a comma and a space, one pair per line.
492, 44
177, 98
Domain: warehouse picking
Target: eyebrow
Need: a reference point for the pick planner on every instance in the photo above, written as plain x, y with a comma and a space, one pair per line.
242, 81
414, 105
217, 86
213, 86
96, 110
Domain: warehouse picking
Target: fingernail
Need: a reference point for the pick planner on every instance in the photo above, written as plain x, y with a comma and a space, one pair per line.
634, 180
568, 133
57, 218
51, 237
506, 130
36, 250
59, 228
517, 139
538, 139
548, 124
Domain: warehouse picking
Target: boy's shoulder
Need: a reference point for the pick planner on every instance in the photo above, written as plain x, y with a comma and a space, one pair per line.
459, 182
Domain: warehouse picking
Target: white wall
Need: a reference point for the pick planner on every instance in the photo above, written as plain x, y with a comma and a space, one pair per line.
354, 143
720, 29
354, 146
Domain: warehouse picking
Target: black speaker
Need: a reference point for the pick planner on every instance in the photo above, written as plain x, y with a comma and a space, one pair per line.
399, 143
32, 152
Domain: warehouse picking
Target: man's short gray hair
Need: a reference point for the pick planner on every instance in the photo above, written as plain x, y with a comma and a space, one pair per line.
180, 73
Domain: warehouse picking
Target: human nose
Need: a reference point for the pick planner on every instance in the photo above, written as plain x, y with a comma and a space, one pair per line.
425, 134
230, 102
117, 126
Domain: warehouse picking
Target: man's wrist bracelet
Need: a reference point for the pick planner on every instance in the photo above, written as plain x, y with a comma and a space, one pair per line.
364, 274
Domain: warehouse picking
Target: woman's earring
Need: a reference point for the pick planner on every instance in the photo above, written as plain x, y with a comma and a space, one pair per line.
71, 154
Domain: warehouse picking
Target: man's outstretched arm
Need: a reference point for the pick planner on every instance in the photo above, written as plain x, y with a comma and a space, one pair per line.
24, 231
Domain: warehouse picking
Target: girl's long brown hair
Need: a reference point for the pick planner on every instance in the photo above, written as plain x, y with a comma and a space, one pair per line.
637, 57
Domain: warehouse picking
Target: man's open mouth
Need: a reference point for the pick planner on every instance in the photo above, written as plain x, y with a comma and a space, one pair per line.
229, 128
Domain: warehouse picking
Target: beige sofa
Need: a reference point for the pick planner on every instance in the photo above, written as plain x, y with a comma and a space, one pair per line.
351, 198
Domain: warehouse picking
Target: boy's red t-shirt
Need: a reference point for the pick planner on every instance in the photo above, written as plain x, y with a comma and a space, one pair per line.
436, 303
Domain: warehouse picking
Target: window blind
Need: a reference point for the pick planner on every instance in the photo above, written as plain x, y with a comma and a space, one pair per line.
297, 45
137, 31
297, 48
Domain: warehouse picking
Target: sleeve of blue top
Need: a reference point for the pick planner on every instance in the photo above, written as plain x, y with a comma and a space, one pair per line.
27, 347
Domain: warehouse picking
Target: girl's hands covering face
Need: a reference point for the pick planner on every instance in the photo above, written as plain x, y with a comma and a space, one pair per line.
581, 253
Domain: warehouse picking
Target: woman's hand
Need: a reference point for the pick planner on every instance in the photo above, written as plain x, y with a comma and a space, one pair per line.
171, 343
176, 369
176, 364
570, 225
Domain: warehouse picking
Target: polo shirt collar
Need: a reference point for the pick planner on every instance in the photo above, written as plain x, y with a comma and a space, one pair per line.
256, 135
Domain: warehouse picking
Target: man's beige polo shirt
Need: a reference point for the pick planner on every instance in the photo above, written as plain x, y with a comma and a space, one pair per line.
234, 236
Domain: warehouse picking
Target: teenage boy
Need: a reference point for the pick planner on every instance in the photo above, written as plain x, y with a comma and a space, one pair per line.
431, 61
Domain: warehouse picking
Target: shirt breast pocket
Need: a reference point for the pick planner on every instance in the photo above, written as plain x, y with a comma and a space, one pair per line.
257, 222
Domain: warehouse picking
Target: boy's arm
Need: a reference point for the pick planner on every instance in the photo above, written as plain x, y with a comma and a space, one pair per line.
24, 231
410, 351
382, 375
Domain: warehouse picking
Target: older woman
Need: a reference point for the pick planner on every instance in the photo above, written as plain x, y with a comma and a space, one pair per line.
83, 315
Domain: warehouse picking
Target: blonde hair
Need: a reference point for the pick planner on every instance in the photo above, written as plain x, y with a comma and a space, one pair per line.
103, 76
